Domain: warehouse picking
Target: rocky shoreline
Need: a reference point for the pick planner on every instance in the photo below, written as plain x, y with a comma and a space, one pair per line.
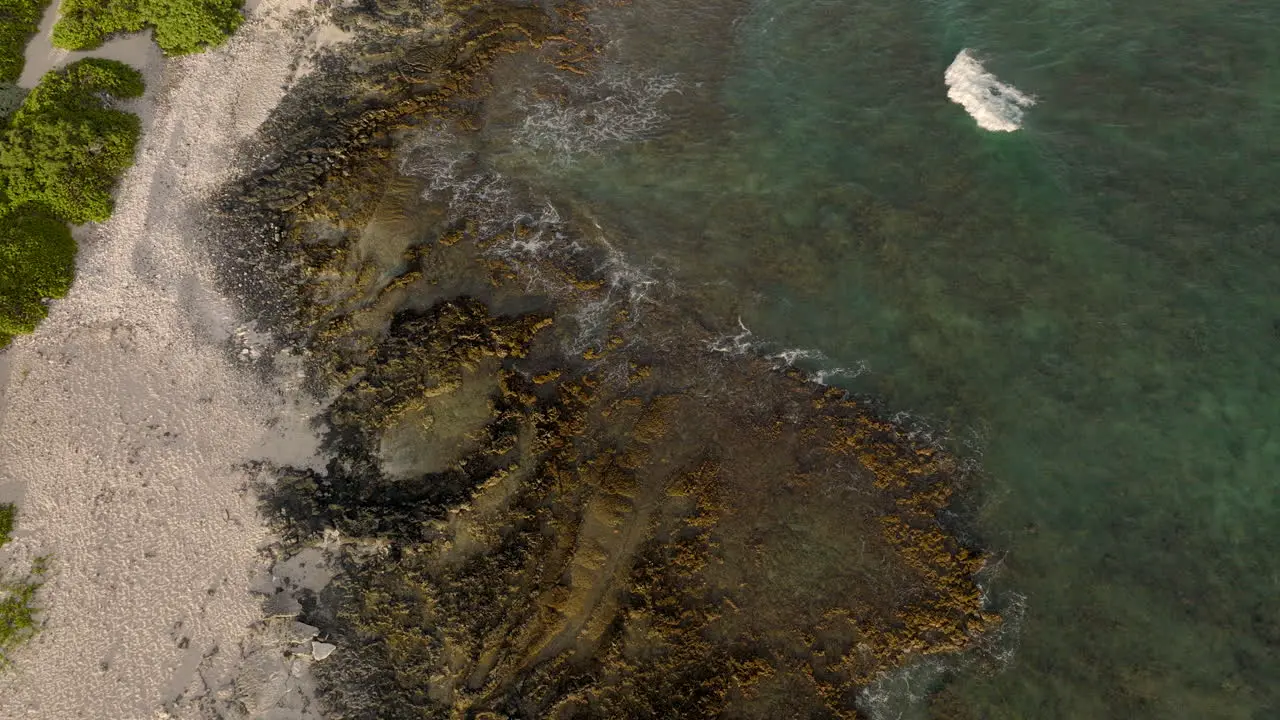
544, 494
542, 487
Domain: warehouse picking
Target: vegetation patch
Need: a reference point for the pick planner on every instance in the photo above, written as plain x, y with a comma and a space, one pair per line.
18, 621
37, 261
60, 157
66, 145
7, 515
181, 26
19, 20
17, 596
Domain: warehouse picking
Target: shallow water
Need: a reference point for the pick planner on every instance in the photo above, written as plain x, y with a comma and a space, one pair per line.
1086, 302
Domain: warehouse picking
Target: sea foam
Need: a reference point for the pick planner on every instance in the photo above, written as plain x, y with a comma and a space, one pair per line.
590, 114
996, 106
745, 343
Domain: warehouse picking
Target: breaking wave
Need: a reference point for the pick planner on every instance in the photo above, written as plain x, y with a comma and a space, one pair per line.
994, 105
895, 694
457, 179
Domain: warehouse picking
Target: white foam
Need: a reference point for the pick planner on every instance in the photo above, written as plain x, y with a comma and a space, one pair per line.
744, 342
456, 179
735, 344
596, 112
484, 196
901, 693
996, 106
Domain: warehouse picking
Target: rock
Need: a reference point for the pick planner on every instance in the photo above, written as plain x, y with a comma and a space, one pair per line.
302, 632
320, 651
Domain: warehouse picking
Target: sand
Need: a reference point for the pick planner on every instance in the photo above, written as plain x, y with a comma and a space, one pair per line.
124, 418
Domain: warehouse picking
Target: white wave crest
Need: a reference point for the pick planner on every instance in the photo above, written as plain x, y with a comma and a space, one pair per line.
900, 693
996, 106
735, 344
625, 286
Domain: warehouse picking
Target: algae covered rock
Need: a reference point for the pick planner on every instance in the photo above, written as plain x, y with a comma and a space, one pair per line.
556, 501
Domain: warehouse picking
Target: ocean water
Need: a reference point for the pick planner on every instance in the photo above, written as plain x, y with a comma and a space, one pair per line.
1085, 304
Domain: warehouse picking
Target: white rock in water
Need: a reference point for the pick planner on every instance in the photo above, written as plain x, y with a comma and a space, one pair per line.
320, 651
996, 106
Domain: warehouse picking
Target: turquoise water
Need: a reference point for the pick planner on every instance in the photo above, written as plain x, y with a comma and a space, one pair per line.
1090, 301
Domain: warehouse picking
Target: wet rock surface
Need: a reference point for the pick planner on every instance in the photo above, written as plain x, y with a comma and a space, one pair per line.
616, 515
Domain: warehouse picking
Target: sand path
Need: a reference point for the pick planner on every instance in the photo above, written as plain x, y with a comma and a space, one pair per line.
123, 418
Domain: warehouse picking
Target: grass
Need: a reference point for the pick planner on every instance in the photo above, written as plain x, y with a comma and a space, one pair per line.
18, 621
181, 26
19, 20
18, 611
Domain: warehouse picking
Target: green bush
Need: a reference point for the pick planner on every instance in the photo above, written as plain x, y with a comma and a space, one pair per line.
181, 26
37, 261
65, 147
60, 156
19, 20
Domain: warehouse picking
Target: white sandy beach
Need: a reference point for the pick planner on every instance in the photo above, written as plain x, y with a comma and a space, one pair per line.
123, 419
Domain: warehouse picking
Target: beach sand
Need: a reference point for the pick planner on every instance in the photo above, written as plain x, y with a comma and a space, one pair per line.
124, 418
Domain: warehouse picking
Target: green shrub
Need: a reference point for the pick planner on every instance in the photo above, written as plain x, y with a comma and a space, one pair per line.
65, 147
181, 26
60, 156
37, 261
19, 20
